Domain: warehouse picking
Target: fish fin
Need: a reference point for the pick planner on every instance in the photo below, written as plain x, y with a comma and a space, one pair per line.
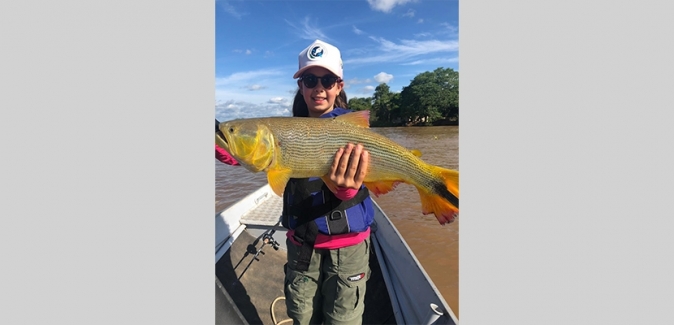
416, 152
442, 199
381, 187
278, 178
360, 118
329, 183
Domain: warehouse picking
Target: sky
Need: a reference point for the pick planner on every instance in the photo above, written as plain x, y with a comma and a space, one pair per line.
257, 44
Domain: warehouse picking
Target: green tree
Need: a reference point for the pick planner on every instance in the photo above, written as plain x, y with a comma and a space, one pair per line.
450, 88
431, 96
360, 103
395, 113
382, 102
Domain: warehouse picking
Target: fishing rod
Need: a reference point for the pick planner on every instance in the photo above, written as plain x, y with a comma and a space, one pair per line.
267, 239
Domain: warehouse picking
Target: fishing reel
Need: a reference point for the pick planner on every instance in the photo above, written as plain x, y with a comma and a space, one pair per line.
268, 239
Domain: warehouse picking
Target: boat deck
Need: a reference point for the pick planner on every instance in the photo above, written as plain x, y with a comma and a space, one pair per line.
266, 214
253, 284
250, 274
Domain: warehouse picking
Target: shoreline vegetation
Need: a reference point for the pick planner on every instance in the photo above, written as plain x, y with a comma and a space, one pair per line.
385, 124
431, 99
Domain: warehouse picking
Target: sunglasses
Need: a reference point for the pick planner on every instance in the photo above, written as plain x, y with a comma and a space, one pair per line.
310, 81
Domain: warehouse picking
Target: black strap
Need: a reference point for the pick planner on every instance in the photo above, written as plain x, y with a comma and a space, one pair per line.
336, 218
305, 235
306, 211
306, 229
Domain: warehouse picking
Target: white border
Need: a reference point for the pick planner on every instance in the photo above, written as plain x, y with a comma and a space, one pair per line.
107, 174
566, 162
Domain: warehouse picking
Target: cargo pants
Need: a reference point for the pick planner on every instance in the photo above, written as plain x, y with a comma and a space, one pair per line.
332, 290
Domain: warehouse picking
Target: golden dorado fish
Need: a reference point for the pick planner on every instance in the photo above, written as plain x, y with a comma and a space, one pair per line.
302, 147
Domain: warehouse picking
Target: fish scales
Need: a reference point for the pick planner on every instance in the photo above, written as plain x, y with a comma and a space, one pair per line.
308, 148
287, 147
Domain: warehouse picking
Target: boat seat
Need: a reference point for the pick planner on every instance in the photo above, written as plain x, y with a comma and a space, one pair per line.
266, 214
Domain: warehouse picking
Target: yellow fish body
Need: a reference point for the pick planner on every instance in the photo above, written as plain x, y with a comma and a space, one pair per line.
301, 147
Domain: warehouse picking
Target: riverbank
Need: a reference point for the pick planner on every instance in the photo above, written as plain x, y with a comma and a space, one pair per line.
444, 122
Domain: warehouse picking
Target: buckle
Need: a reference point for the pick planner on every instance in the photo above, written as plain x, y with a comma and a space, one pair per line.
335, 215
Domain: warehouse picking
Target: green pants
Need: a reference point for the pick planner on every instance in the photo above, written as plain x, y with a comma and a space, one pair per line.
332, 290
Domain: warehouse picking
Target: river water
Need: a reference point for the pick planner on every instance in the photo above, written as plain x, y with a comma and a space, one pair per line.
435, 246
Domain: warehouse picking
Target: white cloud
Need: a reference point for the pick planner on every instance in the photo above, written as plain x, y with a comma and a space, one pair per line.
356, 81
231, 109
437, 61
363, 92
450, 29
246, 51
254, 87
414, 47
308, 31
386, 5
228, 8
241, 77
357, 31
383, 77
420, 21
409, 13
396, 52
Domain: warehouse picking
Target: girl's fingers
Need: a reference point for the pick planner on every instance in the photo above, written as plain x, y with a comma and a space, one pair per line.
362, 167
353, 163
344, 160
350, 166
336, 161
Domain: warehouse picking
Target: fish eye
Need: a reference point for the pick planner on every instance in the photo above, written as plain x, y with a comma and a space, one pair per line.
231, 130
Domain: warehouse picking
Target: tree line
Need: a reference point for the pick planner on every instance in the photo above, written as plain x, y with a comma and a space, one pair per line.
431, 98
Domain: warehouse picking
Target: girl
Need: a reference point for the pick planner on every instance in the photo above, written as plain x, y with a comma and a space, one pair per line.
329, 233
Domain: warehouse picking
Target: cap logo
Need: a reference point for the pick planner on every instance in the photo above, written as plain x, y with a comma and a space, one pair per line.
316, 52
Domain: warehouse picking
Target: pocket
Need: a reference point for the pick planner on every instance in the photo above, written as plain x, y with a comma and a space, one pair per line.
349, 296
299, 291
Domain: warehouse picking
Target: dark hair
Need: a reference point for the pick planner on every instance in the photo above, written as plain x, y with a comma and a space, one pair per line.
300, 108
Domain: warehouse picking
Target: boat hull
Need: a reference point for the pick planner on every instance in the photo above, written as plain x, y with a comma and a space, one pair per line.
250, 257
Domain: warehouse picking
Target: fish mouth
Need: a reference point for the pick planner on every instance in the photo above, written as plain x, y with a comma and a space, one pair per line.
221, 136
218, 134
221, 139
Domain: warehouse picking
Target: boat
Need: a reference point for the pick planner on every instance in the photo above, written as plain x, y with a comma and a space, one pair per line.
250, 254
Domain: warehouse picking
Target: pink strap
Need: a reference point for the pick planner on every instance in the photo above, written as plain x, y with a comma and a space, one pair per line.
334, 241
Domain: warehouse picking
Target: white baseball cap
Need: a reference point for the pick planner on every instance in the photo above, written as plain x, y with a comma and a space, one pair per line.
320, 54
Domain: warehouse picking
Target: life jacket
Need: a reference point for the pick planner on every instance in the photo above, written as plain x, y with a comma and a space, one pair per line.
309, 208
309, 199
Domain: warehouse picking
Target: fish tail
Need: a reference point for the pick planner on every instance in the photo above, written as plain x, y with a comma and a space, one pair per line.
441, 197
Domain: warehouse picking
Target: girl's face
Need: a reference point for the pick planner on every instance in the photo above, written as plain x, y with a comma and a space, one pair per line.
319, 99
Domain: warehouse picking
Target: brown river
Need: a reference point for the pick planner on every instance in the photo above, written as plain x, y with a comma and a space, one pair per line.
435, 246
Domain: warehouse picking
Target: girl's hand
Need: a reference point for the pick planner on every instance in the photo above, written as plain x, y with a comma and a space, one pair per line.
350, 166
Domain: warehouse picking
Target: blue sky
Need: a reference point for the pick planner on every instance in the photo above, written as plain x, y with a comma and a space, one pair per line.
390, 41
